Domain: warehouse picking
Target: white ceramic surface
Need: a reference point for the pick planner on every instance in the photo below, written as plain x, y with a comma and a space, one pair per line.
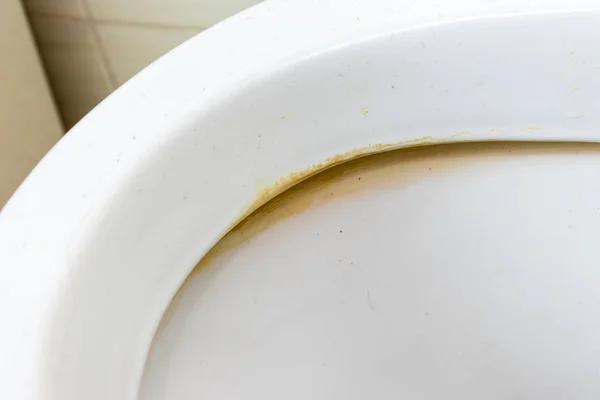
380, 280
103, 232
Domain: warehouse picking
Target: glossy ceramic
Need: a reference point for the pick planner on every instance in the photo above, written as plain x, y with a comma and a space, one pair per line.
98, 239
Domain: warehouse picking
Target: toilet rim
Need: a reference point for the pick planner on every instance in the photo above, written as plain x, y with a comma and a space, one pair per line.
99, 237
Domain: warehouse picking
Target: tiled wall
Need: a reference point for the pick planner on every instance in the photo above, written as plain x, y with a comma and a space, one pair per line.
91, 47
29, 123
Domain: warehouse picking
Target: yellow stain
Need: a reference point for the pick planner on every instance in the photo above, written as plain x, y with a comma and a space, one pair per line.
530, 128
344, 181
268, 192
459, 134
283, 118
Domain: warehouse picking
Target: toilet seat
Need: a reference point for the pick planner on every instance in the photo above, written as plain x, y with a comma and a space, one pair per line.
99, 237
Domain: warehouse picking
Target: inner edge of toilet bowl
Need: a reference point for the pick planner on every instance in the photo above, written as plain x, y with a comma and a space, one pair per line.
267, 201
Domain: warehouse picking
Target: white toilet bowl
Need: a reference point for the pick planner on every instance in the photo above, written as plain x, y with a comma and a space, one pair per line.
457, 270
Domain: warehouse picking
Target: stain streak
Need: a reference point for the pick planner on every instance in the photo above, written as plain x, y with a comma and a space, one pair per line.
280, 185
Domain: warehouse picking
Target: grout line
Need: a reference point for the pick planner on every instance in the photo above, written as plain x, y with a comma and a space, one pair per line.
103, 54
118, 22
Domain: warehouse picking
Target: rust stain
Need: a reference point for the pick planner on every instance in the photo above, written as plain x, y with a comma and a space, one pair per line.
296, 193
252, 221
358, 175
362, 176
280, 185
266, 199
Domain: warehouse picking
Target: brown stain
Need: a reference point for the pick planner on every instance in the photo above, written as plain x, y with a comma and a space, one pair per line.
376, 172
295, 193
360, 177
319, 184
328, 181
280, 185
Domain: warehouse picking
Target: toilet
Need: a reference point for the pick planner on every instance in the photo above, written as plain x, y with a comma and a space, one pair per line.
323, 199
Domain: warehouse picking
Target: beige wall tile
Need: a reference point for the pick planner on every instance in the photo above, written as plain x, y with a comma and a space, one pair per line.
89, 47
74, 64
29, 124
131, 48
70, 8
201, 13
54, 30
